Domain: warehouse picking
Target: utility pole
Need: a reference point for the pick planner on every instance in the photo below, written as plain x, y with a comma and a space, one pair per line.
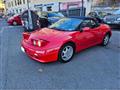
28, 7
5, 8
82, 8
30, 24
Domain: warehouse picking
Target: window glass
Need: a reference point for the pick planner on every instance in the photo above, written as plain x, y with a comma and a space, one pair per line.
23, 1
68, 24
49, 8
88, 23
55, 14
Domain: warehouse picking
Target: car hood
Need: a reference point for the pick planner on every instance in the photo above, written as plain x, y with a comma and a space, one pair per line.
49, 34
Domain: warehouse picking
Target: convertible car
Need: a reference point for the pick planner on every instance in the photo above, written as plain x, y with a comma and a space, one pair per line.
15, 20
64, 38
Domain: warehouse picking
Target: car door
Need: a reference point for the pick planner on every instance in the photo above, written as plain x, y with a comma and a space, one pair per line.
95, 30
86, 37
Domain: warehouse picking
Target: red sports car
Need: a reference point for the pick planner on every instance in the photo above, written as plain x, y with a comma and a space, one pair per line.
15, 20
63, 39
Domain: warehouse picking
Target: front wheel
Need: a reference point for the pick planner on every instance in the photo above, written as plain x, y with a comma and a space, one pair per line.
106, 40
66, 53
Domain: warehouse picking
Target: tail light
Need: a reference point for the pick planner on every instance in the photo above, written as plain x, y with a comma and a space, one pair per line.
39, 43
22, 23
26, 35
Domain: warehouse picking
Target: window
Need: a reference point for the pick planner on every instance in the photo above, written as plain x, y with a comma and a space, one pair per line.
23, 1
20, 2
11, 3
89, 23
15, 3
68, 24
49, 8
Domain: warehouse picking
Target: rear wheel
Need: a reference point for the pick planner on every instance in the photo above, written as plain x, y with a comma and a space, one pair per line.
66, 53
106, 40
14, 23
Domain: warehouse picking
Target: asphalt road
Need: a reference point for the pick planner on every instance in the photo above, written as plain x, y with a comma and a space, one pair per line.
95, 68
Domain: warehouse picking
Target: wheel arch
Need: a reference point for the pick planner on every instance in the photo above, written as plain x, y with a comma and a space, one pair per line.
109, 33
70, 42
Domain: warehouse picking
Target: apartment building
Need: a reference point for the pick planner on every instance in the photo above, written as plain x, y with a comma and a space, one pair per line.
18, 6
61, 5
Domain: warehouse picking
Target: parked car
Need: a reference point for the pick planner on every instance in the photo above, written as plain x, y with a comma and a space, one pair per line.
113, 19
98, 15
39, 19
15, 20
63, 39
51, 16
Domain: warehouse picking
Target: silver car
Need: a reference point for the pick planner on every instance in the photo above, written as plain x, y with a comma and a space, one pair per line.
113, 19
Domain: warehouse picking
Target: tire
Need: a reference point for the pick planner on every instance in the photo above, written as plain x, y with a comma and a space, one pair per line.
106, 40
66, 53
14, 23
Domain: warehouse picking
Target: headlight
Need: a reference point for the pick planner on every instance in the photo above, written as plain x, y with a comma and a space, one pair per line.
118, 19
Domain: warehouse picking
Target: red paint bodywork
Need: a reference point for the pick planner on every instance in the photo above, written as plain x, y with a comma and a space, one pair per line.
16, 18
56, 39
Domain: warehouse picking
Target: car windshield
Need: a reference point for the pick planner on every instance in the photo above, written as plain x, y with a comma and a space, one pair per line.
55, 15
117, 12
67, 24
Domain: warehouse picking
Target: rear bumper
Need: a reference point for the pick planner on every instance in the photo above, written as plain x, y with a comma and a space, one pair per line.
43, 56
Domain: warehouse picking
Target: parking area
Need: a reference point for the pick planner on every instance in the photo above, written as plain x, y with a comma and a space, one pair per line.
94, 68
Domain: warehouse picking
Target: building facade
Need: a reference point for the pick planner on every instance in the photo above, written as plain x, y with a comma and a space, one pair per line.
15, 6
18, 6
2, 6
59, 5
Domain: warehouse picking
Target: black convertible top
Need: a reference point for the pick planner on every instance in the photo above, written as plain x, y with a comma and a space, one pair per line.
92, 18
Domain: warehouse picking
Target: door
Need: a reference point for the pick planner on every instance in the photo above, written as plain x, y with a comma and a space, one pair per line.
87, 37
95, 30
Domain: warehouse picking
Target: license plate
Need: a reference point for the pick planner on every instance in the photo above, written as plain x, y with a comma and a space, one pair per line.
23, 50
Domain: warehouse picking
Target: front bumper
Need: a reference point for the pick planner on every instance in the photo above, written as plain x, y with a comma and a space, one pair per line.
43, 56
112, 23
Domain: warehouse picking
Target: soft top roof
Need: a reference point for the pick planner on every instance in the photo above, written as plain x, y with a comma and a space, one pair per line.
82, 17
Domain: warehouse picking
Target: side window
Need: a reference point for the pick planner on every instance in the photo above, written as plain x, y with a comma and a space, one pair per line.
89, 23
86, 23
93, 23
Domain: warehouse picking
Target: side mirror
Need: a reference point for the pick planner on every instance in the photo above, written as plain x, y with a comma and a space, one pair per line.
85, 29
